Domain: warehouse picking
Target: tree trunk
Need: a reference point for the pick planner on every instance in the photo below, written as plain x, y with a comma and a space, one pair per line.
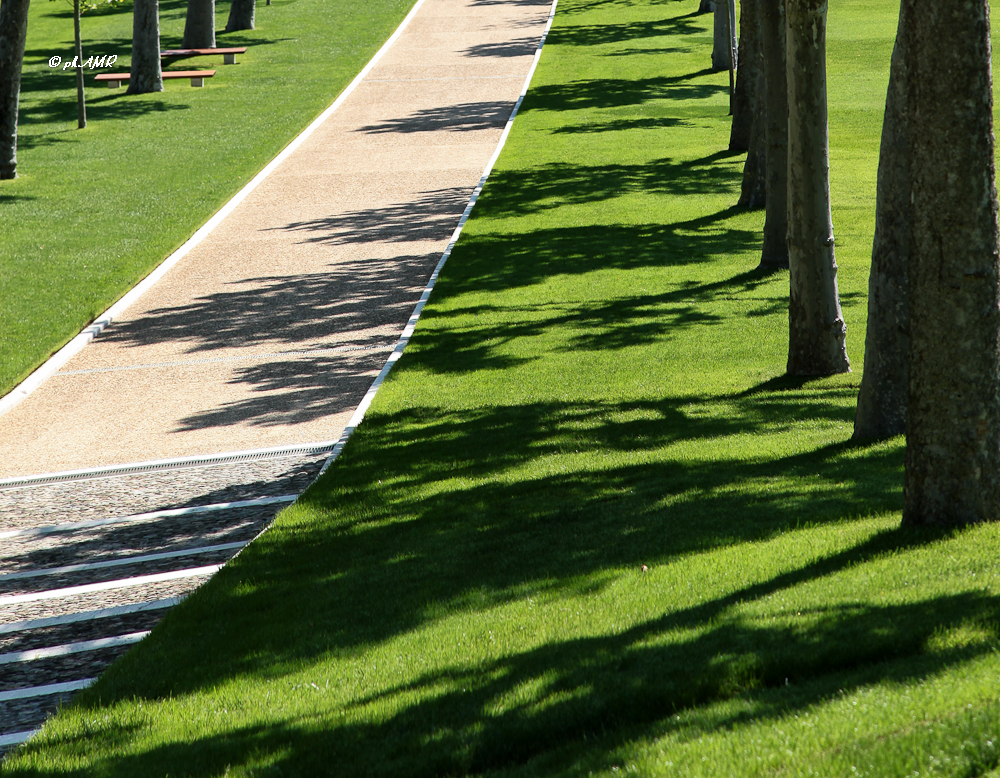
885, 383
81, 103
705, 6
13, 32
241, 15
146, 75
816, 342
953, 416
774, 252
720, 47
199, 25
754, 189
746, 78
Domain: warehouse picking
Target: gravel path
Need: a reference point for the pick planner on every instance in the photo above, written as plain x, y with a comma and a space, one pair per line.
266, 334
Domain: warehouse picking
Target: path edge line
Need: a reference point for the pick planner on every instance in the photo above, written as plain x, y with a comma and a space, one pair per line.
397, 352
52, 365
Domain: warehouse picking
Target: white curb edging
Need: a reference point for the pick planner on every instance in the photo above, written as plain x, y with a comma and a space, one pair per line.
397, 352
91, 331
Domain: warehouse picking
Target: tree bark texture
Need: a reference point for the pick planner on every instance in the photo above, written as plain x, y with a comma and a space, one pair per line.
816, 337
705, 6
953, 416
146, 75
754, 187
885, 383
241, 15
199, 25
746, 78
13, 32
720, 45
774, 252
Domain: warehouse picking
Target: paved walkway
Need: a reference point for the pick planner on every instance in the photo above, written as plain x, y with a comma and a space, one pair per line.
267, 334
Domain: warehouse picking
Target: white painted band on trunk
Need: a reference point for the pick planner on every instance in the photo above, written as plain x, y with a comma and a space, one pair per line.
101, 613
78, 526
155, 465
359, 413
121, 583
16, 738
77, 344
121, 561
43, 691
71, 648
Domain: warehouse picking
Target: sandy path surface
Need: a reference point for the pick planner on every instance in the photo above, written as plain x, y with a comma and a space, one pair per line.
270, 331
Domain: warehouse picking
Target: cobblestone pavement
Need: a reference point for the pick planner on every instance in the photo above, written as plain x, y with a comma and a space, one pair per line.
88, 566
264, 336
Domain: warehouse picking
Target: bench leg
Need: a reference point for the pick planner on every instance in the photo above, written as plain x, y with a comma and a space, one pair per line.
114, 84
197, 82
228, 59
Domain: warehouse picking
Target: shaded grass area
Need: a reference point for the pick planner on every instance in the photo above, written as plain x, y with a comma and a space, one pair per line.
94, 210
588, 527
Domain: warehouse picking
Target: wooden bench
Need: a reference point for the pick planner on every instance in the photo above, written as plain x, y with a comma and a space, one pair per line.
197, 77
228, 55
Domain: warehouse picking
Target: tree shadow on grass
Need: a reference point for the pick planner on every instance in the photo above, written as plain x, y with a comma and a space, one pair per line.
618, 92
484, 545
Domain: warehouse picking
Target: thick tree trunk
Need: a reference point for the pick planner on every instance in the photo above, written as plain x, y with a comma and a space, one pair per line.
746, 78
13, 32
146, 75
720, 47
953, 417
754, 189
885, 384
199, 25
816, 337
774, 252
705, 6
241, 15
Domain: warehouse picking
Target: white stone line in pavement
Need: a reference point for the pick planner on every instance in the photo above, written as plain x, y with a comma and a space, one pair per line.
121, 583
16, 738
101, 613
215, 360
75, 346
120, 561
156, 465
66, 649
77, 526
43, 691
397, 352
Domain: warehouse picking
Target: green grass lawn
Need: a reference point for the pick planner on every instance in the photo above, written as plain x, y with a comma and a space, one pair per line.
94, 210
587, 527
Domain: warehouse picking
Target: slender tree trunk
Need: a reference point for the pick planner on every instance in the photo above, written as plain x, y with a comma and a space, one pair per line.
731, 40
953, 417
199, 25
241, 15
885, 383
720, 47
816, 342
146, 75
746, 78
774, 252
13, 32
81, 102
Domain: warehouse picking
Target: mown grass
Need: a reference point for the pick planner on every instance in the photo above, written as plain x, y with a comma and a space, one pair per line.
588, 528
94, 210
